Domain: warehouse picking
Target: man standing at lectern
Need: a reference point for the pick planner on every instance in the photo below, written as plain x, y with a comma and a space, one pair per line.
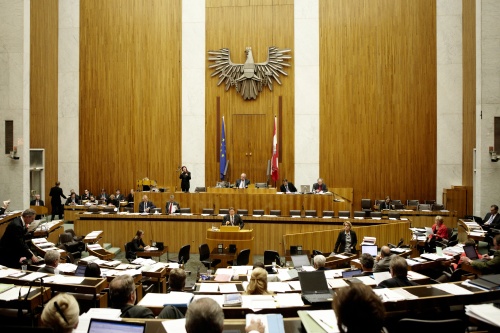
233, 219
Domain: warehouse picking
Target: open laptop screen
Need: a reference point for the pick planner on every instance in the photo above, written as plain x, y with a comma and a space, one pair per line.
110, 326
80, 270
370, 249
348, 274
300, 260
470, 252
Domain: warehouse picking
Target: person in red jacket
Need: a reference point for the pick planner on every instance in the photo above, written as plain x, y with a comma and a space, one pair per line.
439, 232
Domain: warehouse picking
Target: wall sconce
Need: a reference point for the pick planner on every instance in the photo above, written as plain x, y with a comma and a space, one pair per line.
493, 156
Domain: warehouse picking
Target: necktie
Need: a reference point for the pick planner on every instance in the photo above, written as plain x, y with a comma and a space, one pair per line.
171, 205
145, 206
37, 203
232, 220
286, 187
492, 217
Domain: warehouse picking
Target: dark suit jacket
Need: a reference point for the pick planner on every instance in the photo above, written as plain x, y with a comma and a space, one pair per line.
340, 244
384, 205
115, 202
323, 187
99, 197
141, 206
12, 244
137, 244
56, 193
2, 210
168, 204
395, 282
247, 182
382, 265
120, 197
40, 203
496, 221
136, 311
237, 220
291, 188
70, 200
46, 269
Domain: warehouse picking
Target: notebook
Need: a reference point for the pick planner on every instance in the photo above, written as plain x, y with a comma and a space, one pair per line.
300, 260
470, 252
305, 188
314, 287
351, 273
428, 231
370, 249
106, 326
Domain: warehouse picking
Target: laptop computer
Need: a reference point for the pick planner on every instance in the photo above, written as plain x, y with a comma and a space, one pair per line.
351, 273
305, 188
105, 326
80, 270
300, 260
470, 252
370, 249
314, 287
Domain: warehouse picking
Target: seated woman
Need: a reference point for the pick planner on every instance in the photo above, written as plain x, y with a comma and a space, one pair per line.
61, 313
439, 232
137, 244
112, 201
92, 201
258, 283
92, 270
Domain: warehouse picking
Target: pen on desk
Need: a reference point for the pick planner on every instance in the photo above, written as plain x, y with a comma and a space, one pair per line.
324, 322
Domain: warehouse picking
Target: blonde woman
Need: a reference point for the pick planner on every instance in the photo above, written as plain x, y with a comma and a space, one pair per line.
347, 240
61, 313
258, 283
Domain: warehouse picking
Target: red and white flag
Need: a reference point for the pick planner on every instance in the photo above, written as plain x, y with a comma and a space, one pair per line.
274, 160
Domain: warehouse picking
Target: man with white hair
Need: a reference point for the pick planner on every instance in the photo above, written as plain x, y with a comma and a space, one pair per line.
319, 262
52, 258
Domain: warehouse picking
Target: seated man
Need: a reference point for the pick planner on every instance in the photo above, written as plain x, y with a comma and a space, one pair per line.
319, 187
112, 201
243, 182
233, 219
487, 265
172, 206
399, 271
177, 280
287, 187
383, 260
319, 262
145, 206
37, 202
367, 262
206, 316
51, 258
123, 296
492, 219
72, 200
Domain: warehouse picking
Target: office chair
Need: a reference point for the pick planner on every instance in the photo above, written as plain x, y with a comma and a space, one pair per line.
376, 214
204, 251
275, 212
128, 209
243, 212
436, 207
75, 237
412, 202
344, 213
311, 212
394, 215
185, 211
209, 211
330, 213
429, 202
295, 212
242, 259
408, 325
270, 256
224, 211
366, 205
424, 207
183, 256
359, 213
129, 254
258, 212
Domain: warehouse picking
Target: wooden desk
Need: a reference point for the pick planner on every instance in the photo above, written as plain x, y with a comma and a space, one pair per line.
151, 254
30, 303
4, 221
288, 255
96, 235
421, 219
40, 210
224, 256
243, 239
48, 230
335, 262
249, 190
464, 231
71, 212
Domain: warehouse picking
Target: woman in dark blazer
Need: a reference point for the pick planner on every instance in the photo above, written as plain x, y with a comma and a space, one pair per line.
185, 177
347, 240
137, 244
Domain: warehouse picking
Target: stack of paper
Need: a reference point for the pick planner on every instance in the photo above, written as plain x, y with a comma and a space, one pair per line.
484, 312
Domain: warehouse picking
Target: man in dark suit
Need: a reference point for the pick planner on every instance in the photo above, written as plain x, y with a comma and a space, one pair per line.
399, 271
367, 263
384, 260
233, 219
119, 196
287, 187
51, 258
145, 206
492, 219
243, 182
37, 202
72, 200
103, 196
123, 296
319, 187
171, 206
56, 193
13, 248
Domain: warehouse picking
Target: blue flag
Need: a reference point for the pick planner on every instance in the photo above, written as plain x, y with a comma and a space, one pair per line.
222, 151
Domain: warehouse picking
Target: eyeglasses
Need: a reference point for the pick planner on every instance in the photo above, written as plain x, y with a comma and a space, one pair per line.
60, 312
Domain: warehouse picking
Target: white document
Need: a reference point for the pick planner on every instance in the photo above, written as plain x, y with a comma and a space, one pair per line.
228, 288
341, 256
33, 276
242, 270
326, 319
257, 302
173, 298
295, 285
65, 279
175, 325
218, 298
484, 312
289, 299
389, 295
278, 287
381, 276
225, 271
337, 283
333, 273
209, 287
13, 293
368, 280
452, 289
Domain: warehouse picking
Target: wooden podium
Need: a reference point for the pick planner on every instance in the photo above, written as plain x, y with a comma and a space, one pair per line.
243, 239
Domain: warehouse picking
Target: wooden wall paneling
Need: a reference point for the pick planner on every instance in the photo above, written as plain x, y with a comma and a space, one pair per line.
378, 97
130, 93
44, 18
469, 97
236, 25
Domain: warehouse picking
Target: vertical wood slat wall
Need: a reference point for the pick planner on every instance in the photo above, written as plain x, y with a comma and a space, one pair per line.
235, 25
378, 97
469, 97
130, 92
44, 18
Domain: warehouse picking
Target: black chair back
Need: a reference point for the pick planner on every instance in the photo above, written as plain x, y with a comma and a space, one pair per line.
344, 213
258, 212
329, 213
204, 251
408, 325
275, 212
376, 214
311, 212
359, 213
366, 204
185, 211
270, 256
184, 254
208, 211
243, 257
295, 212
224, 211
243, 212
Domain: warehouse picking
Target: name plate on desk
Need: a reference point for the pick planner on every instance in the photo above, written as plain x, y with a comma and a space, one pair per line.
229, 228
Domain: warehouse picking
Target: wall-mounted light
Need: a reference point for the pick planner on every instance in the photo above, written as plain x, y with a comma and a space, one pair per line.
493, 155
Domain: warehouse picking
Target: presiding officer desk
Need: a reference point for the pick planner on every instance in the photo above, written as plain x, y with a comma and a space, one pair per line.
269, 232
